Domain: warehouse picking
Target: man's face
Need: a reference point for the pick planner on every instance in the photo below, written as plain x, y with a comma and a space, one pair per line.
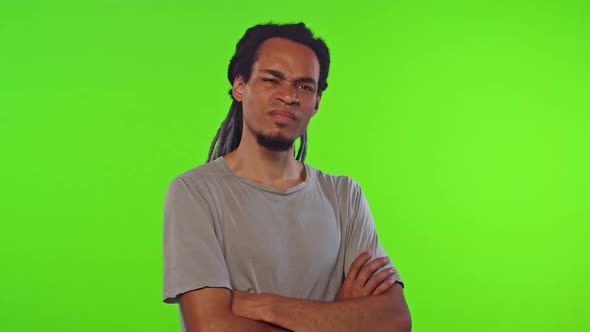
281, 96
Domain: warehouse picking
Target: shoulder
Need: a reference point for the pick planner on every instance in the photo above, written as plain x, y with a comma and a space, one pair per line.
201, 177
343, 185
212, 169
343, 190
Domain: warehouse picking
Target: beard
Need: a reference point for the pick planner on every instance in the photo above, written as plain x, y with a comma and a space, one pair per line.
274, 143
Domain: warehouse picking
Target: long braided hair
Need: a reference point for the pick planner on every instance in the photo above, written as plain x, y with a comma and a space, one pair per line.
229, 134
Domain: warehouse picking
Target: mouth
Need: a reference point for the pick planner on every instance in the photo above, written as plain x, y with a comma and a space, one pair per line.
283, 115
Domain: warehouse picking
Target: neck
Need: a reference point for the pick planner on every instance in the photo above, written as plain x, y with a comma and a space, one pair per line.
272, 168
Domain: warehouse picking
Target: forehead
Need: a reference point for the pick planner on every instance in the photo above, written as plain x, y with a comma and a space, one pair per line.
291, 58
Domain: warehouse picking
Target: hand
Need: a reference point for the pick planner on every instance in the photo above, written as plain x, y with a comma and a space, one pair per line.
250, 306
364, 282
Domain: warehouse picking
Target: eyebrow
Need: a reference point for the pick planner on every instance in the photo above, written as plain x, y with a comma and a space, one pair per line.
282, 76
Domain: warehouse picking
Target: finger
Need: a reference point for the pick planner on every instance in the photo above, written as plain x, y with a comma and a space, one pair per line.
370, 268
376, 279
356, 265
384, 286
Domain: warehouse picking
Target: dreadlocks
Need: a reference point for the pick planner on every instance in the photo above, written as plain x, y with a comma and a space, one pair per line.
228, 136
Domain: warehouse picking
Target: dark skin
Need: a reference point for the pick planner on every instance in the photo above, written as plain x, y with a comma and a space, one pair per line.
363, 279
212, 308
284, 78
279, 100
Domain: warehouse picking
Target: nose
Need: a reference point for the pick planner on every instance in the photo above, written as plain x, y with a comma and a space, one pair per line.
288, 94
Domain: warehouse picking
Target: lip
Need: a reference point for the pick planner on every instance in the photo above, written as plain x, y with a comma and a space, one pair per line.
283, 115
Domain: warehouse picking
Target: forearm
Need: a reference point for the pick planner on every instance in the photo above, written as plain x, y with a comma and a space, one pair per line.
232, 322
372, 313
241, 324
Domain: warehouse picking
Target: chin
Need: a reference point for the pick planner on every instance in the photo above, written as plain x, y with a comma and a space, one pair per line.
278, 134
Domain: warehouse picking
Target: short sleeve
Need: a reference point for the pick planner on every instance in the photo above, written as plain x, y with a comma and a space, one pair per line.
361, 233
193, 255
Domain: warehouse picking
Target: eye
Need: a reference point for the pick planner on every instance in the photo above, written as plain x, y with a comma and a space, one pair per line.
307, 88
271, 80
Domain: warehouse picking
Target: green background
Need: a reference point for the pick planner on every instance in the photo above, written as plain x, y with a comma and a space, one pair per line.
466, 123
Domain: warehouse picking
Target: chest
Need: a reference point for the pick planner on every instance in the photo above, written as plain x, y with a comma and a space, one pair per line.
268, 241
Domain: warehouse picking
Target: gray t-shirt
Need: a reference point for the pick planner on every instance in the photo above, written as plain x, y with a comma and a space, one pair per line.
224, 231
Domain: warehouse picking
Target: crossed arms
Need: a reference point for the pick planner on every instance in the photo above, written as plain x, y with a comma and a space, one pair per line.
367, 301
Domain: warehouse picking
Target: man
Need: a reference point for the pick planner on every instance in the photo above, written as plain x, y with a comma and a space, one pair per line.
257, 240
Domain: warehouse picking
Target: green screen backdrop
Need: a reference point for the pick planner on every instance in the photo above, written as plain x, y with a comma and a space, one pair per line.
467, 124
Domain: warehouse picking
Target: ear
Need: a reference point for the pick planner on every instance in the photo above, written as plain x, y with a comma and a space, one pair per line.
317, 104
238, 88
